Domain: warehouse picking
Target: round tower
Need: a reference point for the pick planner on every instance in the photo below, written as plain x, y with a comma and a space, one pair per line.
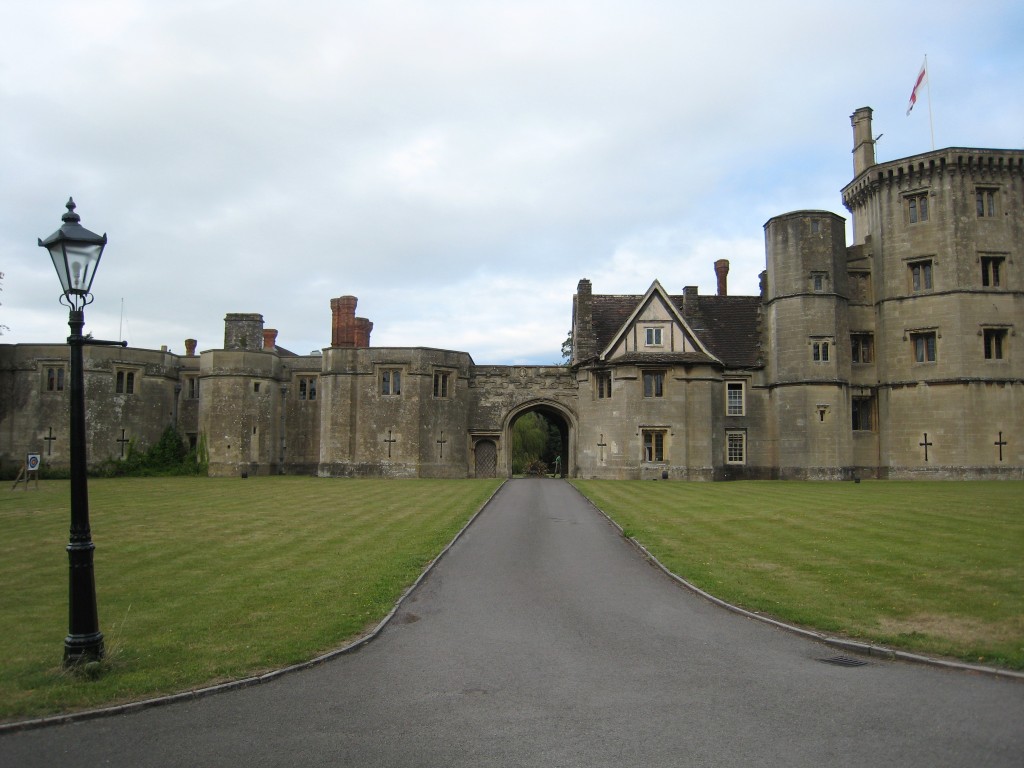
808, 341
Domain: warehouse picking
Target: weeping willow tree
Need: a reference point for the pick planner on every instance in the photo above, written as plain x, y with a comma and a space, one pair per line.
534, 438
530, 436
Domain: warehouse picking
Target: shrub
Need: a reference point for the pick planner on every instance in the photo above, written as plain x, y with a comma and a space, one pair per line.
168, 456
536, 467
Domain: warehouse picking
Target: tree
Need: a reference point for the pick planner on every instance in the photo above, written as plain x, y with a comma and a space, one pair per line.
553, 447
529, 439
567, 349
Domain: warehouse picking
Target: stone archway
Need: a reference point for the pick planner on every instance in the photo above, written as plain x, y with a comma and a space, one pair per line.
555, 413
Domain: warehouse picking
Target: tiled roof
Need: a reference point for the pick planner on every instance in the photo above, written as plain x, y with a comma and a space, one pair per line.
729, 326
610, 313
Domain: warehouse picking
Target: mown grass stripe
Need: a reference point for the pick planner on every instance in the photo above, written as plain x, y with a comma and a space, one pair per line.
201, 580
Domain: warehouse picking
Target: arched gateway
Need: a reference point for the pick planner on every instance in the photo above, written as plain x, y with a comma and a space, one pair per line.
556, 413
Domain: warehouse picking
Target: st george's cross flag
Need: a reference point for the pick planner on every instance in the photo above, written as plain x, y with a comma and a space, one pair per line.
922, 77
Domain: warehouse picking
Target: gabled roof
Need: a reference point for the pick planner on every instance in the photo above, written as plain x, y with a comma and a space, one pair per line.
728, 327
655, 292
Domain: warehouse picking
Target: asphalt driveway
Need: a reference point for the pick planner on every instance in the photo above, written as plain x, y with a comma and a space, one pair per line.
544, 639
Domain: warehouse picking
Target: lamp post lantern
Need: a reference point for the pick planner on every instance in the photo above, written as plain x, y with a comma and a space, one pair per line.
76, 252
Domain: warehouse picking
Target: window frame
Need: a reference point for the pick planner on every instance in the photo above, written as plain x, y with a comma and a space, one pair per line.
994, 343
731, 407
306, 388
654, 336
922, 275
654, 445
862, 348
864, 407
653, 383
917, 207
389, 381
603, 385
924, 345
125, 381
991, 271
985, 202
441, 384
820, 350
735, 438
55, 378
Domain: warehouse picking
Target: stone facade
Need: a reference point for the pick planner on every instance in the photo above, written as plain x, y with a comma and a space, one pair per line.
896, 356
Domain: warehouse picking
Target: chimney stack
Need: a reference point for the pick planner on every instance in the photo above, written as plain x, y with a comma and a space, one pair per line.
269, 339
863, 141
722, 273
584, 340
361, 332
243, 330
343, 313
347, 330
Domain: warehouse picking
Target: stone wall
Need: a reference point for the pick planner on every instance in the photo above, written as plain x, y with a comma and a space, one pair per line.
34, 409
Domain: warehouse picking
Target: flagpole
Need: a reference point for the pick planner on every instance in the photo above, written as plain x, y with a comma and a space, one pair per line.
928, 85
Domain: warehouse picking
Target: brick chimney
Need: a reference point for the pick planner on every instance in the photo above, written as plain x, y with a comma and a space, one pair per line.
347, 330
722, 273
269, 339
343, 314
190, 347
361, 332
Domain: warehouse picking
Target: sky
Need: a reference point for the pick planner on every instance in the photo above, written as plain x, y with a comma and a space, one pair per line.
457, 166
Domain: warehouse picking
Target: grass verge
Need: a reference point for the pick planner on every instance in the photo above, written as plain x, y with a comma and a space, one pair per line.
201, 580
929, 567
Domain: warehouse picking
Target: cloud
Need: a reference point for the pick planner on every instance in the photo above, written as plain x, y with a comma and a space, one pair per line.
456, 165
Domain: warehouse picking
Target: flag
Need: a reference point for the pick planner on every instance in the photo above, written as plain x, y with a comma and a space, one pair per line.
922, 76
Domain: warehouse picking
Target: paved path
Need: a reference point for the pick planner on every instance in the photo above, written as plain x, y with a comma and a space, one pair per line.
544, 639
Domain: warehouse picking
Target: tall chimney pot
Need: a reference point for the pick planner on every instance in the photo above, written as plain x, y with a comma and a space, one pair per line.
722, 273
269, 339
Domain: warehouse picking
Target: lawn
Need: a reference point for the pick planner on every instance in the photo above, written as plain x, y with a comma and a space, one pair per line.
202, 580
930, 567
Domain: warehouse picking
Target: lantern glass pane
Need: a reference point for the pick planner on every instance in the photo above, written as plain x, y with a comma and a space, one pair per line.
76, 264
82, 261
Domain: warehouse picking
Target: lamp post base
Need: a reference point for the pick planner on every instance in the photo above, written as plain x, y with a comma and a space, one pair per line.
81, 649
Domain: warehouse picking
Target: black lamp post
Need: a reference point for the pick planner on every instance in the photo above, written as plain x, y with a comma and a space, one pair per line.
76, 253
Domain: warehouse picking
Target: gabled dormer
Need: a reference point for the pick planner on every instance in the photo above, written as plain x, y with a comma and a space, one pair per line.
655, 328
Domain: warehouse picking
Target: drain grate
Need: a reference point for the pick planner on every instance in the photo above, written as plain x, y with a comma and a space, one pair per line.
844, 661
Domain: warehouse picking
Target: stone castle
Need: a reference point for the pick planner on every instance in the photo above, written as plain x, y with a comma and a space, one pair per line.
896, 356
